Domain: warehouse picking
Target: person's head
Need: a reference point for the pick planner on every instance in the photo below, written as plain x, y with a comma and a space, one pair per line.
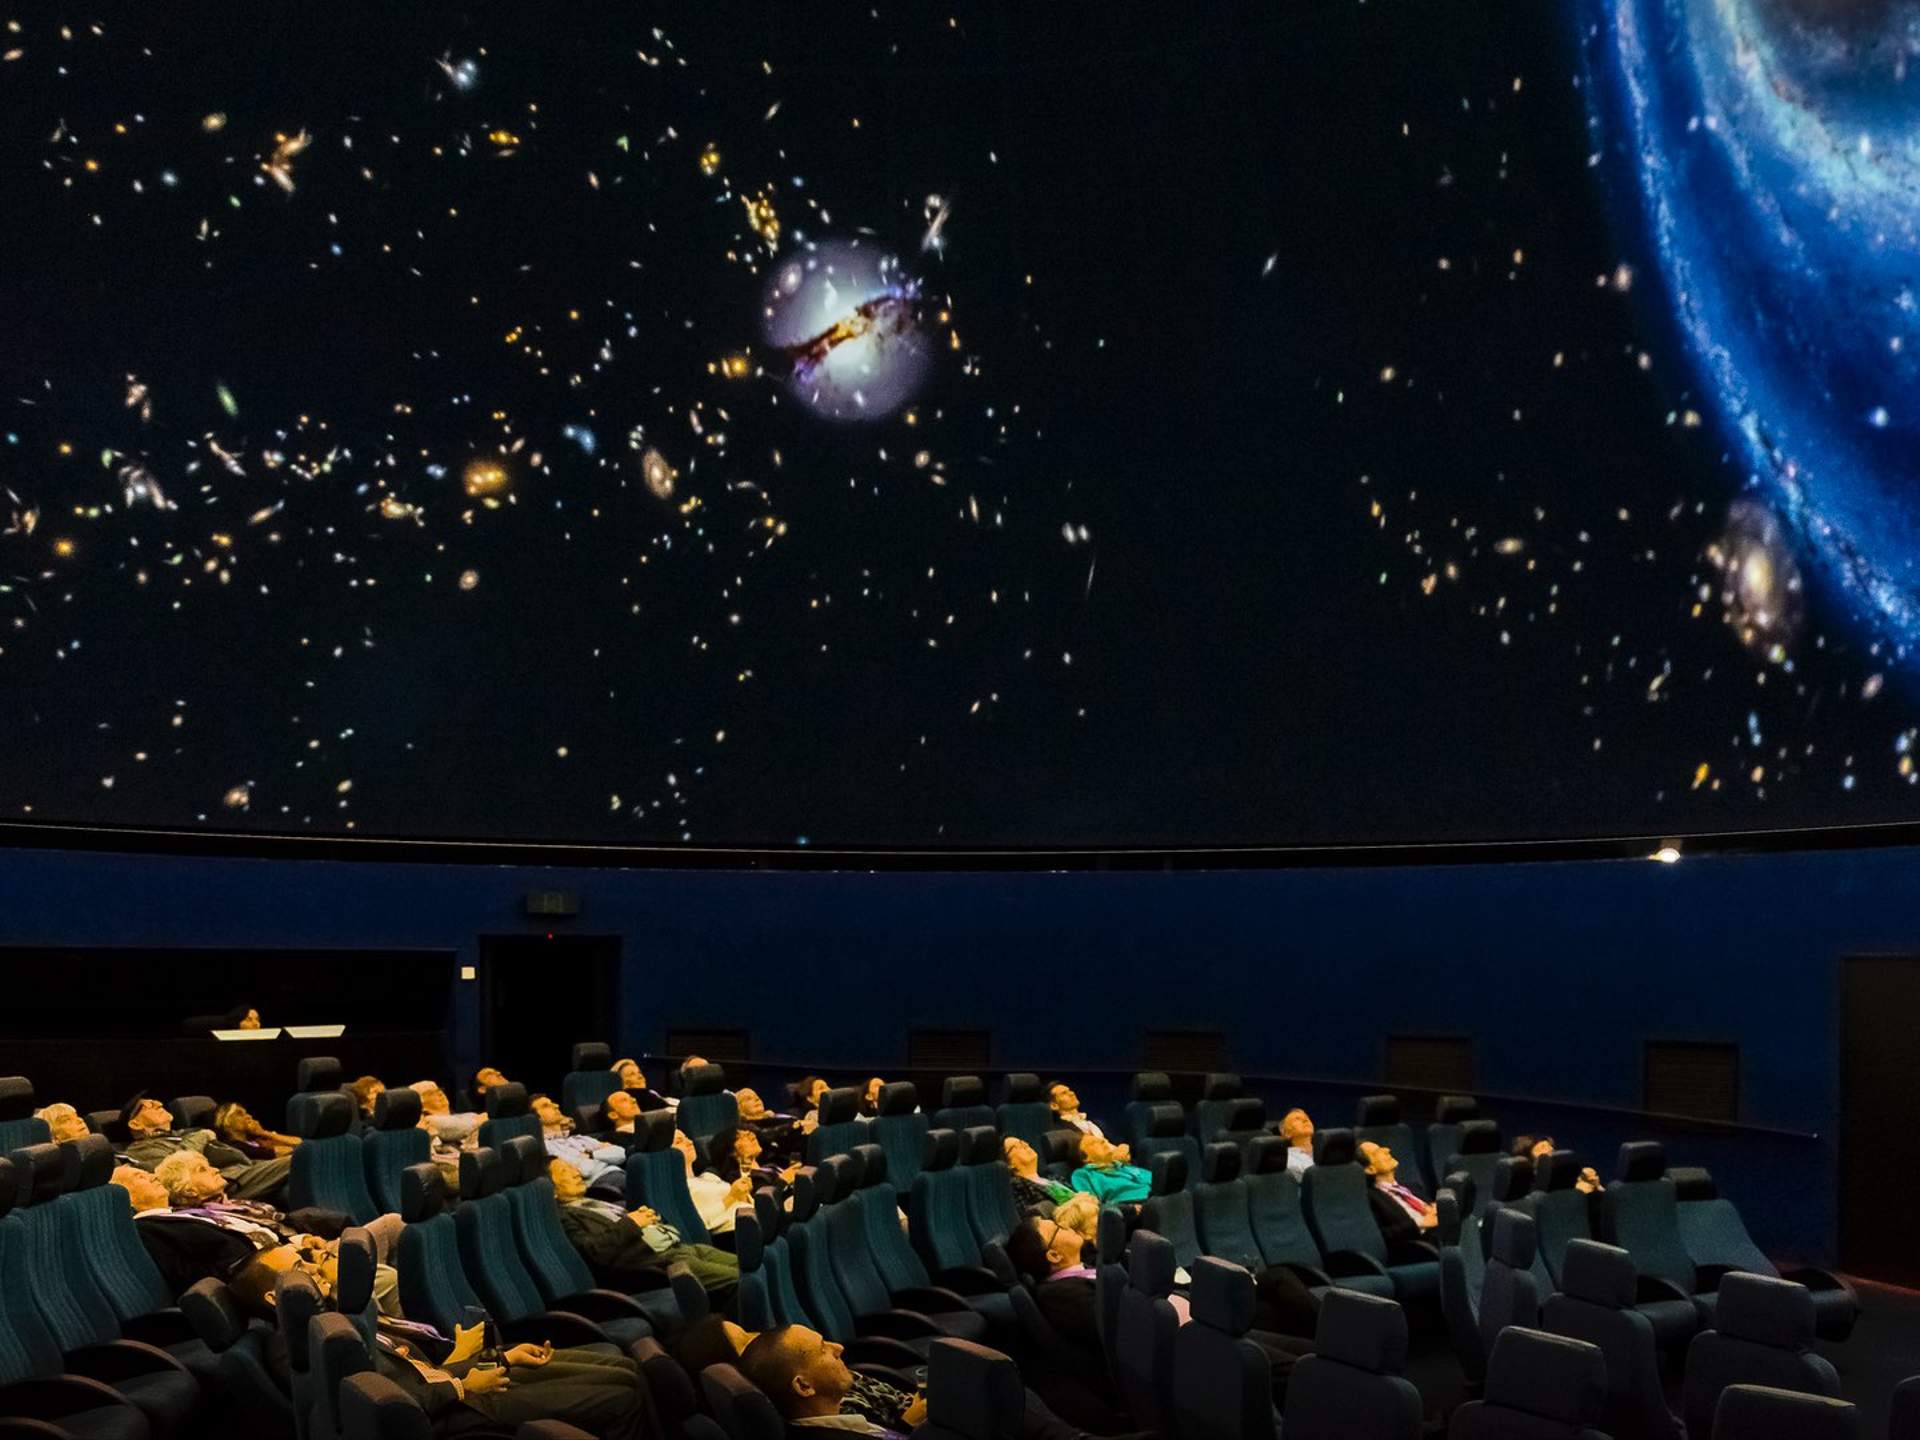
808, 1090
232, 1121
190, 1178
252, 1284
144, 1191
64, 1123
692, 1062
1065, 1102
689, 1152
1080, 1213
1098, 1151
1021, 1157
748, 1102
484, 1079
1380, 1163
870, 1097
250, 1020
1297, 1126
621, 1108
734, 1151
628, 1072
798, 1369
568, 1182
1040, 1248
366, 1090
433, 1100
1541, 1148
551, 1120
144, 1115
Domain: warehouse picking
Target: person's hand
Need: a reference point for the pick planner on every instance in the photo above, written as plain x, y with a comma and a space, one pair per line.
486, 1382
915, 1415
810, 1122
530, 1354
467, 1342
791, 1171
1123, 1154
645, 1215
1429, 1220
740, 1191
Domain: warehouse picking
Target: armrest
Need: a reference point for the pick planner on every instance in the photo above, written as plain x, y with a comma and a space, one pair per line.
1411, 1252
688, 1293
48, 1397
160, 1327
929, 1299
1307, 1274
1346, 1264
121, 1360
1651, 1288
896, 1325
559, 1326
1815, 1278
970, 1280
598, 1305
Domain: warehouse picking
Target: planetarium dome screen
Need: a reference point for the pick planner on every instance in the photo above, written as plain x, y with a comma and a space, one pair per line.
1000, 424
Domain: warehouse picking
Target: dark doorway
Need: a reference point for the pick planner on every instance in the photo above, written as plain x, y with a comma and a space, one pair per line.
1879, 1143
540, 995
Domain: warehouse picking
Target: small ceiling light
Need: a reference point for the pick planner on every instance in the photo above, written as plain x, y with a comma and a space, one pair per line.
1668, 854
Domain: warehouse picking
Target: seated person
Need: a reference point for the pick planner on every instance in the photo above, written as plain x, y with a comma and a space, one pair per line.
234, 1124
438, 1115
1403, 1216
366, 1090
63, 1122
1530, 1147
150, 1124
1080, 1213
603, 1165
627, 1250
484, 1079
713, 1198
1296, 1126
1032, 1191
717, 1341
736, 1151
618, 1112
1067, 1111
777, 1134
870, 1098
633, 1080
1107, 1173
802, 1373
807, 1090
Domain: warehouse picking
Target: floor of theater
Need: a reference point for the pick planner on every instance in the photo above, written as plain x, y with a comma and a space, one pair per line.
1883, 1350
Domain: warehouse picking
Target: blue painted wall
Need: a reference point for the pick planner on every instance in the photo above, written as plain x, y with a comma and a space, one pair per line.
1559, 971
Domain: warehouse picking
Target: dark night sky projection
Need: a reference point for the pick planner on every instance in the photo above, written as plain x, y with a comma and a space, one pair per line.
989, 424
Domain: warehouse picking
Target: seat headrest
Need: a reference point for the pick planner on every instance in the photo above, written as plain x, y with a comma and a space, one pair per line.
1453, 1109
319, 1114
1515, 1241
1599, 1274
192, 1112
1549, 1376
1111, 1235
592, 1055
423, 1193
806, 1195
524, 1158
89, 1162
1221, 1163
209, 1308
1164, 1121
1368, 1332
1465, 1191
1062, 1148
837, 1107
1266, 1154
396, 1109
962, 1091
871, 1162
1249, 1112
504, 1102
1373, 1111
1762, 1410
1220, 1085
653, 1131
939, 1150
767, 1214
1150, 1264
1023, 1088
1222, 1295
1765, 1311
316, 1072
898, 1097
105, 1122
1333, 1147
9, 1185
1152, 1086
832, 1179
980, 1145
479, 1173
1512, 1178
1558, 1171
590, 1119
1478, 1137
296, 1303
40, 1173
1168, 1172
353, 1285
16, 1097
1642, 1160
706, 1079
1691, 1182
980, 1390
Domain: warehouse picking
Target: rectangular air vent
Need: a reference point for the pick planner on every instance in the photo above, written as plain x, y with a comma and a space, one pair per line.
725, 1047
1193, 1051
1441, 1063
963, 1051
1697, 1079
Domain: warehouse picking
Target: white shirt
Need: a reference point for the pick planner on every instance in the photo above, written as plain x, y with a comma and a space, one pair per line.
1298, 1161
709, 1194
1082, 1124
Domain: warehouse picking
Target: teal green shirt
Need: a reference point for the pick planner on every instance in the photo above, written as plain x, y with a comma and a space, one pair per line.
1114, 1184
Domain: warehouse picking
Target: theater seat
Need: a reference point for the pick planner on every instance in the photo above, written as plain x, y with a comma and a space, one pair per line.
1903, 1415
1110, 1283
328, 1168
589, 1079
1477, 1152
1166, 1133
990, 1203
1717, 1242
1756, 1412
1639, 1213
1596, 1305
1220, 1208
1443, 1136
1025, 1112
844, 1227
894, 1338
1334, 1193
1762, 1335
840, 1126
1463, 1269
740, 1409
940, 1224
1280, 1227
776, 1257
1561, 1213
1222, 1382
372, 1407
392, 1143
657, 1176
192, 1112
1539, 1387
336, 1352
18, 1126
963, 1104
973, 1393
296, 1300
901, 1130
706, 1106
1148, 1089
508, 1115
1210, 1113
1246, 1120
1168, 1211
1509, 1294
1144, 1342
1353, 1383
1377, 1120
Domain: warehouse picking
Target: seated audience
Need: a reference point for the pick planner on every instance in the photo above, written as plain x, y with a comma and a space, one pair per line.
1107, 1174
783, 1143
1401, 1214
633, 1080
717, 1341
604, 1165
1032, 1191
737, 1151
870, 1098
234, 1124
438, 1115
1066, 1109
714, 1199
63, 1122
1530, 1147
150, 1124
627, 1250
1080, 1213
810, 1385
1296, 1127
366, 1090
807, 1091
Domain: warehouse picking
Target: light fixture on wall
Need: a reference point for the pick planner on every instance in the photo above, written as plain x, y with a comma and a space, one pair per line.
1668, 853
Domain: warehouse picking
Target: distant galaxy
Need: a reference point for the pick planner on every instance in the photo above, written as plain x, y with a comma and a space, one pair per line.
847, 318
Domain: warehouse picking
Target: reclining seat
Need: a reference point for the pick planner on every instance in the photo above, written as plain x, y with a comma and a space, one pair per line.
1110, 1283
901, 1130
78, 1318
1246, 1122
1147, 1325
322, 1075
939, 1220
1512, 1188
1596, 1305
1539, 1387
193, 1112
392, 1143
1477, 1152
239, 1347
1280, 1228
1509, 1295
753, 1301
706, 1105
1353, 1383
963, 1104
336, 1352
1025, 1112
1222, 1383
1758, 1412
508, 1114
372, 1407
329, 1167
1442, 1139
901, 1269
840, 1126
1762, 1335
1220, 1207
1149, 1088
990, 1204
1463, 1272
973, 1393
1166, 1133
657, 1177
296, 1301
1717, 1242
1168, 1211
1215, 1106
1334, 1193
1639, 1212
739, 1407
851, 1256
18, 1126
1377, 1120
590, 1080
782, 1291
1561, 1213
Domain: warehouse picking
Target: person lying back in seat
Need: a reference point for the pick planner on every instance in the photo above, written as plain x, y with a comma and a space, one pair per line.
63, 1122
603, 1164
1067, 1111
633, 1080
1403, 1217
627, 1250
1296, 1126
1033, 1192
737, 1151
233, 1123
802, 1373
437, 1114
367, 1090
782, 1142
716, 1341
714, 1198
151, 1125
1107, 1174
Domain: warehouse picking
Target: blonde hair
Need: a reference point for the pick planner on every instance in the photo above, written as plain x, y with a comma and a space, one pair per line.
1081, 1214
172, 1172
59, 1110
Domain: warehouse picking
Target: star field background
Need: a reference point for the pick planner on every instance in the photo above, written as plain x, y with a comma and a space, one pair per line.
1307, 458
